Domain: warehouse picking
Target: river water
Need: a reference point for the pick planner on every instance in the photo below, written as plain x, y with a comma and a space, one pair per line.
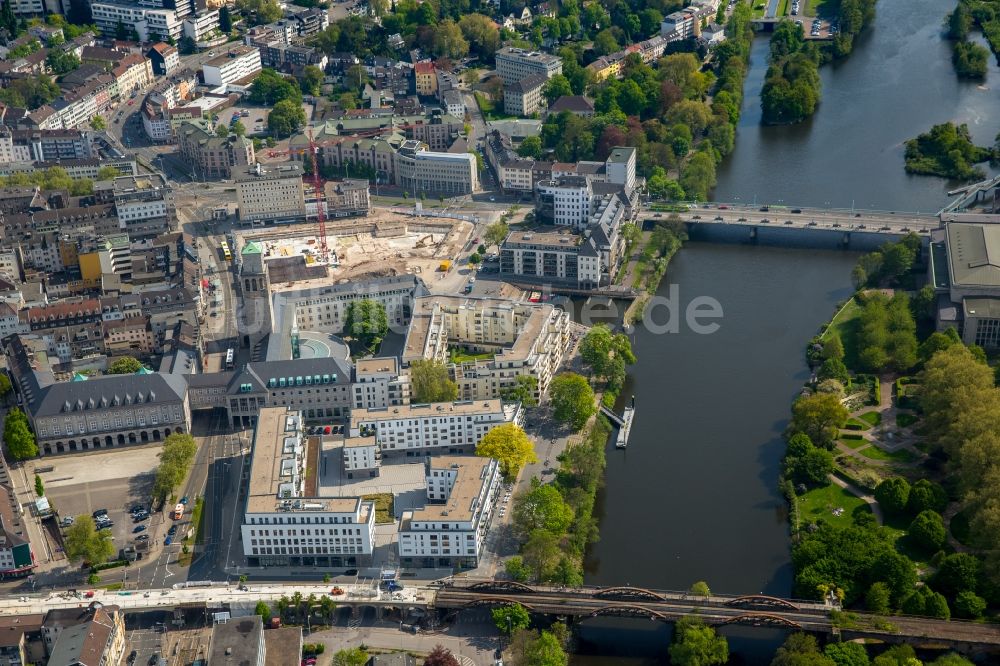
694, 496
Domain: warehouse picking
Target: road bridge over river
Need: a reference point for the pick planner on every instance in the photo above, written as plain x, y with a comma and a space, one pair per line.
750, 610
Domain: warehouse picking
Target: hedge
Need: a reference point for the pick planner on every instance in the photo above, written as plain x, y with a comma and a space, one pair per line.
854, 426
878, 391
851, 435
109, 565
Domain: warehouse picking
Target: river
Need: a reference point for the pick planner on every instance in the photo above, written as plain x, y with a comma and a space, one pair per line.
898, 82
694, 496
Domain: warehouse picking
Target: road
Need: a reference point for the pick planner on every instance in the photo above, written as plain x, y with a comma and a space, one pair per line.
858, 220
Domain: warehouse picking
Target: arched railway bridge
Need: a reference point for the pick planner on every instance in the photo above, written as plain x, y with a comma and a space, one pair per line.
756, 610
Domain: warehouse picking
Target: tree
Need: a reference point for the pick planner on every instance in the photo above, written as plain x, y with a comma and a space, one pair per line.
39, 486
225, 20
350, 657
541, 553
270, 87
897, 655
83, 542
496, 233
481, 33
175, 459
879, 598
698, 176
572, 399
927, 495
833, 347
222, 130
261, 11
834, 368
800, 650
607, 354
522, 391
893, 494
812, 468
925, 601
108, 173
97, 124
516, 569
366, 321
62, 62
448, 41
531, 146
239, 129
440, 656
286, 118
847, 654
509, 445
510, 618
951, 659
700, 589
430, 382
475, 258
263, 610
542, 507
558, 86
957, 573
969, 605
697, 644
312, 80
820, 416
927, 531
545, 651
20, 442
126, 365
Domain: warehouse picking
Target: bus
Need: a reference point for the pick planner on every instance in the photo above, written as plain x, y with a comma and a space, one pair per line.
230, 359
225, 251
178, 511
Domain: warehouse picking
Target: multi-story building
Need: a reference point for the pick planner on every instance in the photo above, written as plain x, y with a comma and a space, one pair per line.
421, 170
347, 197
133, 72
451, 528
270, 193
360, 456
200, 26
213, 156
514, 64
287, 518
524, 338
240, 642
144, 204
16, 557
45, 145
417, 430
21, 640
426, 78
620, 167
239, 64
523, 97
567, 200
378, 383
553, 257
148, 22
164, 58
453, 103
91, 636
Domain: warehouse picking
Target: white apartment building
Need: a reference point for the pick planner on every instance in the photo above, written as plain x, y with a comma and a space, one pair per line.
414, 429
570, 200
146, 21
287, 521
451, 528
620, 166
144, 204
552, 256
239, 63
524, 96
514, 64
525, 339
378, 383
268, 193
197, 26
361, 457
421, 170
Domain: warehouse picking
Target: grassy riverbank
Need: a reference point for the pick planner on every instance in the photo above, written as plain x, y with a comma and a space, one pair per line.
664, 242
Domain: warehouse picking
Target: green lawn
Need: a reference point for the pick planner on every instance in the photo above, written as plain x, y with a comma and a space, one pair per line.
875, 453
871, 418
853, 443
461, 356
489, 108
819, 504
905, 419
783, 8
759, 9
383, 507
858, 422
845, 324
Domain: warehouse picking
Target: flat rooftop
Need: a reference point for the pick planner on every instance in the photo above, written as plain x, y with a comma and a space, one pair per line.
280, 468
434, 409
461, 504
377, 365
558, 239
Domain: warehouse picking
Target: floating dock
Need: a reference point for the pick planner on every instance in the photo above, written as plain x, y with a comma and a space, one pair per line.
625, 428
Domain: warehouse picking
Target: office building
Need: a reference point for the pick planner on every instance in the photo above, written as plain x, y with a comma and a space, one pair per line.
239, 65
524, 338
421, 170
144, 204
287, 521
454, 427
212, 156
270, 193
451, 528
514, 64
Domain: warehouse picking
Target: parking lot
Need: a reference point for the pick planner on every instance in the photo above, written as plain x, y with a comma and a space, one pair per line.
178, 647
255, 122
114, 480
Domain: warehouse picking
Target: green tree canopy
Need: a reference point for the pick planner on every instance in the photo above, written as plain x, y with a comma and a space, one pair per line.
496, 233
126, 365
430, 382
545, 651
509, 445
847, 654
83, 542
366, 321
927, 531
893, 494
17, 435
541, 507
697, 644
286, 118
572, 399
350, 657
178, 453
510, 618
270, 87
820, 416
800, 650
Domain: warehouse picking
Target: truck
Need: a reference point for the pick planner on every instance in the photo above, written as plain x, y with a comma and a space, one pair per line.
178, 511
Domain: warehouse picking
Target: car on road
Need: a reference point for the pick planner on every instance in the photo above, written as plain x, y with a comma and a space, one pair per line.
142, 537
796, 210
765, 221
184, 500
719, 218
169, 540
138, 528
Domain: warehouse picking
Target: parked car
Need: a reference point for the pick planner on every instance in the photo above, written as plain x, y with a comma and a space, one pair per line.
142, 537
169, 540
138, 528
184, 500
100, 512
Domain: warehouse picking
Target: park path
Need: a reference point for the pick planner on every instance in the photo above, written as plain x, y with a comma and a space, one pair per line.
876, 435
858, 492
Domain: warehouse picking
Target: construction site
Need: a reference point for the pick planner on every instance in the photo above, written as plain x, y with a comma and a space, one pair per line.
381, 244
